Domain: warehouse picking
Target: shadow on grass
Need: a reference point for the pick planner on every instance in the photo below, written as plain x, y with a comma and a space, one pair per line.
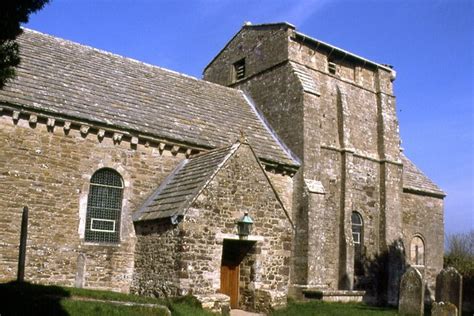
31, 299
187, 305
363, 307
321, 308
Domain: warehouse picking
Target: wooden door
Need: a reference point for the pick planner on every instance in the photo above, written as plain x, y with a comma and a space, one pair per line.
230, 283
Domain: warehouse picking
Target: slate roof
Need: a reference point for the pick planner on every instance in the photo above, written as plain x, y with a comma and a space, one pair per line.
415, 180
62, 77
179, 190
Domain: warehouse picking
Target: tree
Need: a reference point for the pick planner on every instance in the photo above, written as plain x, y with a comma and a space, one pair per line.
460, 255
12, 14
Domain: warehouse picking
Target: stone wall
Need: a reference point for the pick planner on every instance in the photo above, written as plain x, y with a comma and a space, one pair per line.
344, 110
344, 128
48, 168
262, 49
238, 187
157, 258
241, 185
278, 96
423, 217
283, 185
366, 201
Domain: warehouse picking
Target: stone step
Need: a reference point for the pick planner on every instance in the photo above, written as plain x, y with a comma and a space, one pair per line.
333, 295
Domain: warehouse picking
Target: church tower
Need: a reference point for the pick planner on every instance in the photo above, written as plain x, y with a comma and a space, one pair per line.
336, 111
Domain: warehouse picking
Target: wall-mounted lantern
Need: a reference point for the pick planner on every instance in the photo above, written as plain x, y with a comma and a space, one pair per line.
244, 225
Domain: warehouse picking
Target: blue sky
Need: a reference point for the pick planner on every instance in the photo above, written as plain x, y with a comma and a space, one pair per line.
430, 44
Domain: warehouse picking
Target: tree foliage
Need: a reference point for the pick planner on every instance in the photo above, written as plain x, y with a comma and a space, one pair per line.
460, 255
12, 14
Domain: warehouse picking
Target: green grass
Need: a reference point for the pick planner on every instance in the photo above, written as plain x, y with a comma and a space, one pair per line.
332, 309
112, 296
33, 299
81, 308
187, 306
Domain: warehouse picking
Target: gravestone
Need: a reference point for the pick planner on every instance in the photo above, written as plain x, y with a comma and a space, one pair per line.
444, 309
81, 271
396, 258
449, 287
412, 293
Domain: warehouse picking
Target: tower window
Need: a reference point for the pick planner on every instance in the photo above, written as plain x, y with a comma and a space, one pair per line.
104, 207
239, 69
332, 67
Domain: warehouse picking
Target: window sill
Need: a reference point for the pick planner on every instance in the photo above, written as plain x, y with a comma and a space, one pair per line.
100, 244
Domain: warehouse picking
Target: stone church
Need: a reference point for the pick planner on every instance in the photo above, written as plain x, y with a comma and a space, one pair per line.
140, 179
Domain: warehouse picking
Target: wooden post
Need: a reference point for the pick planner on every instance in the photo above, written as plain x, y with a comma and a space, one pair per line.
23, 238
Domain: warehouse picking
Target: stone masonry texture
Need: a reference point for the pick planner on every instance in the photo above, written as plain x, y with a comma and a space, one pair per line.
49, 171
191, 251
305, 138
343, 126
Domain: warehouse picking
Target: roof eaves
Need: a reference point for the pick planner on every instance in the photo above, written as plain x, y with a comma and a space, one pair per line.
317, 42
110, 126
133, 130
427, 192
274, 24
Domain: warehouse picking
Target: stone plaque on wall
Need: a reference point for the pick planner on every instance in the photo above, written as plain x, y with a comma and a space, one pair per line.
81, 271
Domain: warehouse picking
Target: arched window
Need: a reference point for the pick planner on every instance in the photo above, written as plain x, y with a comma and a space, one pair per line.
104, 206
358, 239
417, 251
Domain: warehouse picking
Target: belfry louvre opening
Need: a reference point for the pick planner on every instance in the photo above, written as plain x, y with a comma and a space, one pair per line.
239, 69
104, 207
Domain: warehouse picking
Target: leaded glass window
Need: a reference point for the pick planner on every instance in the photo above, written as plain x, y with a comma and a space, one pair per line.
104, 206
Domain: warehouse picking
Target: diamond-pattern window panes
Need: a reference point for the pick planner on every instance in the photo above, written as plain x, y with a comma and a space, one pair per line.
104, 206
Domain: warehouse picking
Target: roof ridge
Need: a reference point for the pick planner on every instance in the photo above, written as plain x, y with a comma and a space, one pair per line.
347, 53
